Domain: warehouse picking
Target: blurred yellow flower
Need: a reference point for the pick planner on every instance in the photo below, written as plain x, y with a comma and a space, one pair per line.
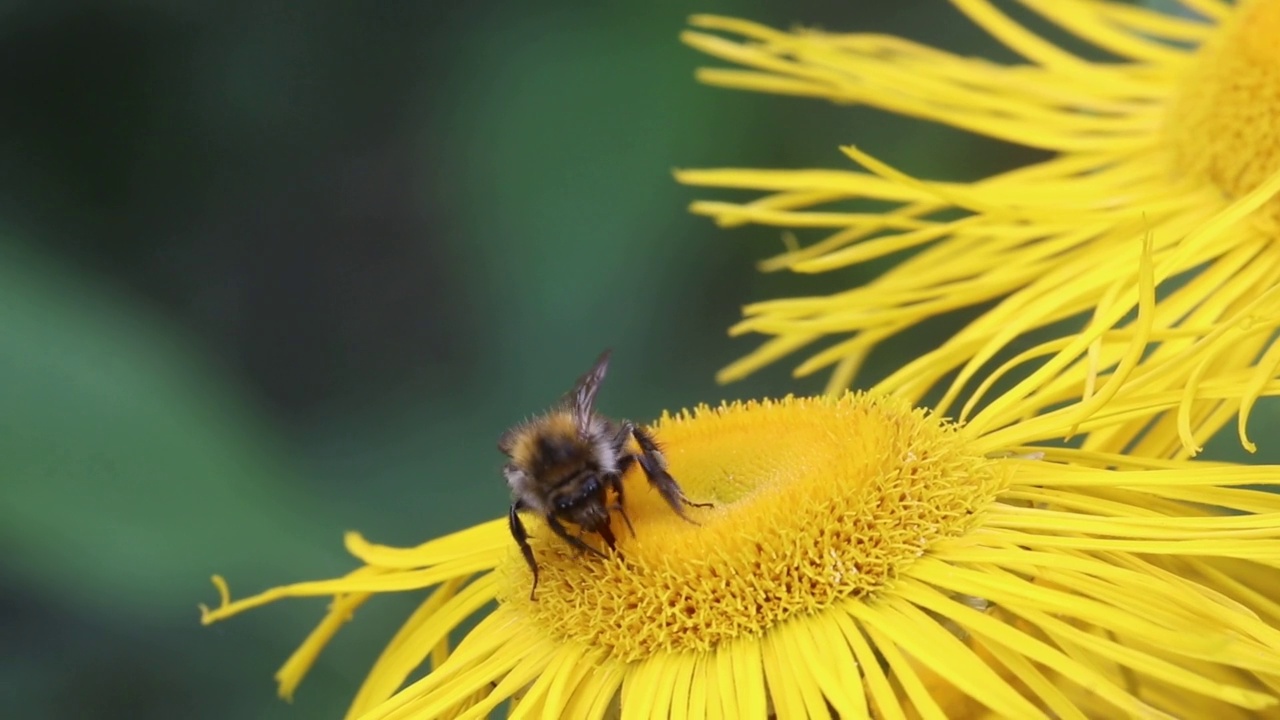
1177, 136
867, 558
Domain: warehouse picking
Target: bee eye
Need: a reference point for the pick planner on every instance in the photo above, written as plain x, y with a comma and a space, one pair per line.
591, 487
564, 505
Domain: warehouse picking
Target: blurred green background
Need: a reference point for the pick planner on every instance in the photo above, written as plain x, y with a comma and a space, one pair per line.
268, 274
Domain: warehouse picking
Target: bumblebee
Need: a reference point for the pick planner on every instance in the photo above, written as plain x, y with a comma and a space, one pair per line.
563, 465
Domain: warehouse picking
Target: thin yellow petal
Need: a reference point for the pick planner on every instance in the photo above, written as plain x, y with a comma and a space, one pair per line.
835, 668
426, 628
480, 656
356, 583
791, 643
700, 686
783, 694
1048, 692
1147, 663
597, 693
904, 673
748, 678
878, 688
479, 539
300, 662
1004, 635
546, 697
937, 649
566, 682
1083, 20
643, 688
518, 677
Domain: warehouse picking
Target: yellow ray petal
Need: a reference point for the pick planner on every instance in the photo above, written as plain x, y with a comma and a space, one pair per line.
1002, 634
408, 647
878, 689
937, 649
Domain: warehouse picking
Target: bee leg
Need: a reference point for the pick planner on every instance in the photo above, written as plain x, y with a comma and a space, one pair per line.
624, 462
606, 532
560, 530
655, 468
522, 539
615, 481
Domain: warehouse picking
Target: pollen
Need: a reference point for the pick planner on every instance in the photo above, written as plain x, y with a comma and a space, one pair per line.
1224, 123
816, 500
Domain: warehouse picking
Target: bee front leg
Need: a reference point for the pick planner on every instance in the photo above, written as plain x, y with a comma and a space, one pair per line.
560, 530
615, 481
606, 532
522, 539
655, 468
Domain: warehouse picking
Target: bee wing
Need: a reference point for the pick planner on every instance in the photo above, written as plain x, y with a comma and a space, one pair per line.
581, 401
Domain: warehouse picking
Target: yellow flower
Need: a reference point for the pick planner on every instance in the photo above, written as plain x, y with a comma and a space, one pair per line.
1178, 137
865, 557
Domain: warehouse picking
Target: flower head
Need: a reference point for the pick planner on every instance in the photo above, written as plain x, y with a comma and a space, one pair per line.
1177, 136
868, 557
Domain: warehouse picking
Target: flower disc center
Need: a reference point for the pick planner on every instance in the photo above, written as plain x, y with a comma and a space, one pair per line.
1224, 122
816, 500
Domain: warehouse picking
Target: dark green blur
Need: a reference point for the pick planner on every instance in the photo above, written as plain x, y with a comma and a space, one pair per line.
267, 275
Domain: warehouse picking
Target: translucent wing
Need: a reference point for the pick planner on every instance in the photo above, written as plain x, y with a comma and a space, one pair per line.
581, 400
